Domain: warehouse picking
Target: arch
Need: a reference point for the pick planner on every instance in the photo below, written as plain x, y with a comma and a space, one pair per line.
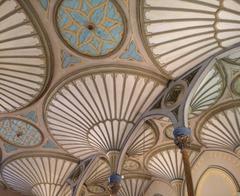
205, 67
220, 178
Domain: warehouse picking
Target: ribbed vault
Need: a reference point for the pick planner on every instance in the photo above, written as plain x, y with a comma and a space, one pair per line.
147, 138
94, 111
96, 182
24, 57
42, 174
166, 163
180, 34
107, 99
209, 91
220, 129
134, 185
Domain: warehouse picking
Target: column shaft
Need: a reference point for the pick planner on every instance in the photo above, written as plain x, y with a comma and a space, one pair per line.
187, 170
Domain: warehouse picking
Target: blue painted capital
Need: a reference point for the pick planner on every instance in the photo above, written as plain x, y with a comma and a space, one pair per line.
181, 131
115, 178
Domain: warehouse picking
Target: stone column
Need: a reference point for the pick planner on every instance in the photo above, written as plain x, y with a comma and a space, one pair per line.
114, 181
182, 140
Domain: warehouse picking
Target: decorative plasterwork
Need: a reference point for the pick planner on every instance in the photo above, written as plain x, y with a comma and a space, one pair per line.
92, 28
180, 34
166, 162
9, 148
100, 173
93, 111
131, 53
160, 188
216, 177
31, 116
24, 57
20, 133
220, 128
42, 174
44, 4
145, 140
69, 60
209, 91
134, 186
131, 165
50, 145
168, 131
96, 182
219, 159
235, 85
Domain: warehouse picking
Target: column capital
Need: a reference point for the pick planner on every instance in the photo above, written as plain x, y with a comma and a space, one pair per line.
181, 131
114, 183
182, 137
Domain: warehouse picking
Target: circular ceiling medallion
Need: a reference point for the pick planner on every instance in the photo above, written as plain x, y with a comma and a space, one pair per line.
20, 133
131, 165
92, 28
24, 57
235, 85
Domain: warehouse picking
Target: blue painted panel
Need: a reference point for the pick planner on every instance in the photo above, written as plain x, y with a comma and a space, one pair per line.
132, 53
69, 60
105, 34
50, 144
44, 4
18, 132
31, 116
9, 148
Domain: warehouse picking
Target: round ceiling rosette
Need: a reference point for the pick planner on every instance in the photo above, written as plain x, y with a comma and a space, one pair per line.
20, 133
92, 28
41, 174
178, 35
94, 111
24, 57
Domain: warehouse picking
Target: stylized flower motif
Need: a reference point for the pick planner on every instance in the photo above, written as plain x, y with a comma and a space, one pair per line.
93, 28
19, 133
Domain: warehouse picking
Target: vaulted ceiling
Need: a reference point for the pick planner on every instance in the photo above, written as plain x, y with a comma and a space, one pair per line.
88, 87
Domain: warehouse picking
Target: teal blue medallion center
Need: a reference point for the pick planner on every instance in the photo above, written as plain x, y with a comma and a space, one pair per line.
19, 132
91, 27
